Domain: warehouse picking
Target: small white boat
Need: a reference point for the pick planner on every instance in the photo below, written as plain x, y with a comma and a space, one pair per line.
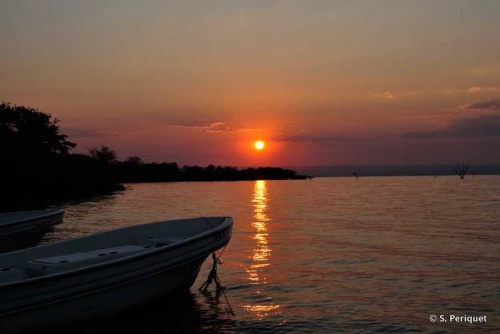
104, 273
23, 229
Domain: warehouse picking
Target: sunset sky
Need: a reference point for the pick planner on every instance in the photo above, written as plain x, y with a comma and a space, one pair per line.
320, 82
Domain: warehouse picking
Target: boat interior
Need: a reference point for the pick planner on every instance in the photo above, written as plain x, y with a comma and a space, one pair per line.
51, 265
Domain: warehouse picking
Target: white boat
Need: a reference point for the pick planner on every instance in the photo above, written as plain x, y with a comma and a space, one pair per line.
23, 229
105, 273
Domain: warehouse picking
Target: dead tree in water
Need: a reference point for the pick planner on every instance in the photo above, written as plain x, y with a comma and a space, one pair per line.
460, 170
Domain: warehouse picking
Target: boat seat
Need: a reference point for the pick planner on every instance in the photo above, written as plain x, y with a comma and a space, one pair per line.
150, 241
10, 274
49, 265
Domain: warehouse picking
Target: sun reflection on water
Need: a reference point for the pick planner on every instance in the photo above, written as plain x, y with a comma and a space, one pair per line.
261, 251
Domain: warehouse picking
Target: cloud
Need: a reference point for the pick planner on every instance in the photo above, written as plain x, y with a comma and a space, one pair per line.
391, 95
320, 139
473, 90
488, 105
388, 95
216, 127
76, 132
385, 95
481, 126
484, 124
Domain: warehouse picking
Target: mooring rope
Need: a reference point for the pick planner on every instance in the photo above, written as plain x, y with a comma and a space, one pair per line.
213, 277
223, 249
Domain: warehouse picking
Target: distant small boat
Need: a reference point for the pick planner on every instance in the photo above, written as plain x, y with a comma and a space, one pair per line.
23, 229
104, 273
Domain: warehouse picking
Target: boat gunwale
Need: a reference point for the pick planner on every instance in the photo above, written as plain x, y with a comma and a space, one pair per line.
225, 225
54, 213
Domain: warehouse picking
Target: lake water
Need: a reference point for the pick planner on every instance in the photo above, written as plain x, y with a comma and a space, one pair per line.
328, 255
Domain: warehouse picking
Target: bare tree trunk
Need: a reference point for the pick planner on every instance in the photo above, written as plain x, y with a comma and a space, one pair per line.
460, 170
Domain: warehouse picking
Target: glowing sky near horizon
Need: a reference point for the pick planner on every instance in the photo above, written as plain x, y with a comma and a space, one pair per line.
321, 82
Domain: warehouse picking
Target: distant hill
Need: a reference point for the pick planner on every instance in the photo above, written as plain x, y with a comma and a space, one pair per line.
391, 170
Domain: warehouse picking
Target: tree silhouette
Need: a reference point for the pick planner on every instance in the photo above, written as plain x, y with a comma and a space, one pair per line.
27, 132
460, 170
104, 155
36, 164
134, 161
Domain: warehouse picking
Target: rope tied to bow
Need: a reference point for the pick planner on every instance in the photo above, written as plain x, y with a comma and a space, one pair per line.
213, 277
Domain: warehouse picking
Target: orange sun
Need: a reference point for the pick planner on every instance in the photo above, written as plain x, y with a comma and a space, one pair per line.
259, 145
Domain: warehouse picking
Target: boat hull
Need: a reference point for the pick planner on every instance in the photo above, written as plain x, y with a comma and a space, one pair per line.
104, 302
57, 290
23, 232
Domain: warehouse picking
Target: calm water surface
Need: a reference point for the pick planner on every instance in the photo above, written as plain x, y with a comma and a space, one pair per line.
325, 255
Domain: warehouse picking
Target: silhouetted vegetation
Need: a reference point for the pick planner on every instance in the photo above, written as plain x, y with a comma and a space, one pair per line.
104, 155
134, 170
26, 133
36, 164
